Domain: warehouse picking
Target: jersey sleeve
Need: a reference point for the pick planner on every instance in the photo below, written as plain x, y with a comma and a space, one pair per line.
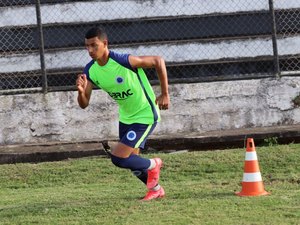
121, 58
86, 70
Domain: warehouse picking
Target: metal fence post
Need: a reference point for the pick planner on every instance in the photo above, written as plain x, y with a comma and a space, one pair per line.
274, 40
42, 49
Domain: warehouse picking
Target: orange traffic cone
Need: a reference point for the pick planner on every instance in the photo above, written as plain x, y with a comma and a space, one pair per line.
252, 184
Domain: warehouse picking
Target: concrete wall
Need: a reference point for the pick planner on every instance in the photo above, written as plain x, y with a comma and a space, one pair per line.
199, 107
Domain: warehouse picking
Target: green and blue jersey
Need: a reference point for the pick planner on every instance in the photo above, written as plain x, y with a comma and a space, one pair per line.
128, 86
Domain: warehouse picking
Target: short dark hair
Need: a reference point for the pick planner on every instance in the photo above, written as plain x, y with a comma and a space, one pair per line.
96, 32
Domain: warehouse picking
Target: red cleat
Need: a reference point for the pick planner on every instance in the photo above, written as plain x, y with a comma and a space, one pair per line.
153, 174
154, 194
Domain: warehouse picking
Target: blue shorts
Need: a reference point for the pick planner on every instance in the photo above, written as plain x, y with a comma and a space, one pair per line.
135, 135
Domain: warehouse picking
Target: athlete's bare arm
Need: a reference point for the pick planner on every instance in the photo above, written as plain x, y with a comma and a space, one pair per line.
158, 63
84, 87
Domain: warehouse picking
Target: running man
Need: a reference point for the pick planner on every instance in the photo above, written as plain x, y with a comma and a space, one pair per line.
123, 78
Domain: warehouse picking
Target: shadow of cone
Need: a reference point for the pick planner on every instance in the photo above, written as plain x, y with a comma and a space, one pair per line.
252, 184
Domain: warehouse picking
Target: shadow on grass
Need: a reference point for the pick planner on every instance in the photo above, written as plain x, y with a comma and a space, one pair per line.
195, 196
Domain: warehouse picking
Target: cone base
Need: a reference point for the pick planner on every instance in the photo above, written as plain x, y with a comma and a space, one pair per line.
252, 189
242, 194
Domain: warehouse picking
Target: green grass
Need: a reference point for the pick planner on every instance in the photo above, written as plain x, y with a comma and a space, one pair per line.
200, 189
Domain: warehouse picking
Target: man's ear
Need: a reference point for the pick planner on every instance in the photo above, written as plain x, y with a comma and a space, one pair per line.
105, 42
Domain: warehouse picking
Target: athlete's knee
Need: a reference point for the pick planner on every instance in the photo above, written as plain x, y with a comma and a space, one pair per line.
120, 162
133, 162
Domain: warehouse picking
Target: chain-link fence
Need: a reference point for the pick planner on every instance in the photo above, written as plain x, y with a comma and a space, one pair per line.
288, 30
42, 41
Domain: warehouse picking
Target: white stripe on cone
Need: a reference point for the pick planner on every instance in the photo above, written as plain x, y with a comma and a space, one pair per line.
252, 177
250, 156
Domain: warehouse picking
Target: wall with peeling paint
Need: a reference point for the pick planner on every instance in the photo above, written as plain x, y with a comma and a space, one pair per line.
199, 107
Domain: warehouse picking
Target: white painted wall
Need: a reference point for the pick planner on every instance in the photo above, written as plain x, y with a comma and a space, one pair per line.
202, 107
123, 9
184, 52
117, 9
90, 11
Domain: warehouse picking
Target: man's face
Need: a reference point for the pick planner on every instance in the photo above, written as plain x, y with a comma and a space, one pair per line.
95, 47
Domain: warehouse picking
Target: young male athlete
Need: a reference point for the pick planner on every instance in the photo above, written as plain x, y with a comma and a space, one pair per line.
122, 77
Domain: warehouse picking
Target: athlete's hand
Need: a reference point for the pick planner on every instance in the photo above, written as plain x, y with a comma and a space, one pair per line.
81, 83
163, 101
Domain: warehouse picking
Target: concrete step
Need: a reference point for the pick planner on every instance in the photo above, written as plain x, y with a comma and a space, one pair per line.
223, 139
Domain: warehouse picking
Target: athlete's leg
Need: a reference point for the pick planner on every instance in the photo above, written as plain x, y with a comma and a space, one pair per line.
122, 157
136, 151
140, 174
125, 155
143, 174
121, 150
146, 170
132, 137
